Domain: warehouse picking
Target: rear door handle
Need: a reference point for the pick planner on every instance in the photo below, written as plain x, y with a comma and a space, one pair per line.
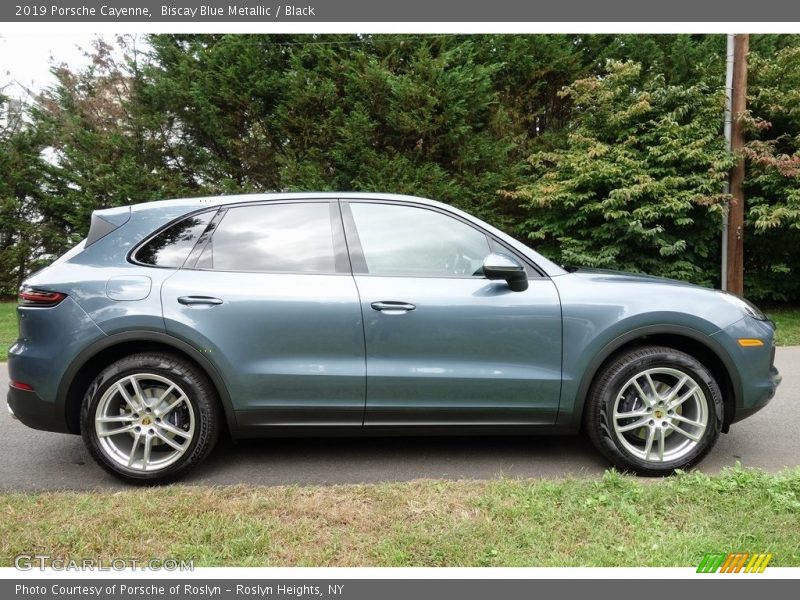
199, 300
390, 307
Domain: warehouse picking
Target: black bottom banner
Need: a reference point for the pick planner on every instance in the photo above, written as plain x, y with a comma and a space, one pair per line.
396, 589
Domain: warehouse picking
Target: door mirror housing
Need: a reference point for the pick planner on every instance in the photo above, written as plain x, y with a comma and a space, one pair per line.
502, 266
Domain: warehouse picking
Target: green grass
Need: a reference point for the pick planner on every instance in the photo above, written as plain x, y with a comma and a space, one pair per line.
8, 327
614, 521
787, 320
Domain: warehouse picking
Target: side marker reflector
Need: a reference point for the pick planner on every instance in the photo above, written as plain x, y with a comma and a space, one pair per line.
750, 342
21, 386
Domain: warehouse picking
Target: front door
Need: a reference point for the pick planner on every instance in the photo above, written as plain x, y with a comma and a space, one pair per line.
445, 346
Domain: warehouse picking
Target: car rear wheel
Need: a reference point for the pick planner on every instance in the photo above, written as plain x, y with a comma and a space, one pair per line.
653, 410
150, 417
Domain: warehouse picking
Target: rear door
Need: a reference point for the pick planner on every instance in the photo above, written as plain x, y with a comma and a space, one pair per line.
267, 294
446, 346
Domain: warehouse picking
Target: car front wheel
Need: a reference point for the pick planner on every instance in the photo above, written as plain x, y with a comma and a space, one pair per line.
653, 410
150, 417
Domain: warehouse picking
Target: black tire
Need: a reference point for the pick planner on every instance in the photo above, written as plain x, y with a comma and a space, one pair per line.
199, 391
608, 385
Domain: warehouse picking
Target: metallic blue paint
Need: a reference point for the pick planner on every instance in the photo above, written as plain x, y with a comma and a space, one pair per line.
472, 352
292, 346
309, 350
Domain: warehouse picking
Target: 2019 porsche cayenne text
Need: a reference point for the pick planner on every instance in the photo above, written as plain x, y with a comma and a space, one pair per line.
324, 313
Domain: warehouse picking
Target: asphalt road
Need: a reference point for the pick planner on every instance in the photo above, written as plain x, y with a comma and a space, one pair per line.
34, 460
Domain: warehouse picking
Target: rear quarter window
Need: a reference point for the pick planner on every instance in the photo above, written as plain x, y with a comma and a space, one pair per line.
171, 247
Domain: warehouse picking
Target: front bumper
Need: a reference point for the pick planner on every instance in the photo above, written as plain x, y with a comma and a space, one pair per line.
758, 379
763, 394
34, 412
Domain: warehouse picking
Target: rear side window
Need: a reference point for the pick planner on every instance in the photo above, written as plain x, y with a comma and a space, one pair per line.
288, 238
171, 247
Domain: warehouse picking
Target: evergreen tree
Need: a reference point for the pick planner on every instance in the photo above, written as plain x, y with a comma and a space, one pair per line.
600, 150
21, 173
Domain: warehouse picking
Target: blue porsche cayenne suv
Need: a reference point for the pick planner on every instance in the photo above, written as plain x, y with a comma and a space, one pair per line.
323, 313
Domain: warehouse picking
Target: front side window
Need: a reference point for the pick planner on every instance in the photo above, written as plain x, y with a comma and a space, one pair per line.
289, 238
406, 240
171, 247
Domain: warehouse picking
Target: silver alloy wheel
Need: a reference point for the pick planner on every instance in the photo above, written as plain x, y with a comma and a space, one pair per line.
144, 422
660, 415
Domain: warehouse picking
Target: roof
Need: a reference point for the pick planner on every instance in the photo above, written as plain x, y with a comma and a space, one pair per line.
275, 196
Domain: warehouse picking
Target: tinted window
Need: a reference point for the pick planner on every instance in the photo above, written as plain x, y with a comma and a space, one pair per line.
404, 240
171, 247
273, 237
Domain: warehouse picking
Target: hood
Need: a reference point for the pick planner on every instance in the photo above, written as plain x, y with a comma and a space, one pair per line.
610, 276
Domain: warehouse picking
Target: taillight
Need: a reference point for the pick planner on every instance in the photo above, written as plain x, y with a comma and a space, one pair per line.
39, 298
21, 386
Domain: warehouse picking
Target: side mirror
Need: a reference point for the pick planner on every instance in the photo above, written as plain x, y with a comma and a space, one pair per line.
502, 266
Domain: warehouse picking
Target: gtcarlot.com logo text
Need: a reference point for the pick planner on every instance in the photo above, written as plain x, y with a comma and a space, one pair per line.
42, 562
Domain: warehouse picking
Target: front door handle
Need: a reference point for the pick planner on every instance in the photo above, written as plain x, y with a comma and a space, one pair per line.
389, 307
199, 300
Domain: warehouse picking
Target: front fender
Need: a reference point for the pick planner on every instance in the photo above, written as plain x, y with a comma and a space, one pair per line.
582, 361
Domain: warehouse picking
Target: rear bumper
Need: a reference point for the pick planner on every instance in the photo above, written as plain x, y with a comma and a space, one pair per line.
34, 412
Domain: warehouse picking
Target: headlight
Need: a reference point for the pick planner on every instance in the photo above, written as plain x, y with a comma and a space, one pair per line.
745, 305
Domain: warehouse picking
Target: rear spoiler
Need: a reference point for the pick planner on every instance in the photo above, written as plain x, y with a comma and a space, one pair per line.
105, 221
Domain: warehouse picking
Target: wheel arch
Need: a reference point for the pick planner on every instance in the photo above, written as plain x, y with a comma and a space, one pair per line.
695, 343
89, 363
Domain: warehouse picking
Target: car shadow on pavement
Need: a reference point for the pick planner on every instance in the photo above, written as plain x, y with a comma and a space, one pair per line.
285, 461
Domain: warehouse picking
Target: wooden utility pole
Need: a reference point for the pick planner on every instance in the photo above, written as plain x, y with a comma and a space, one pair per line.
735, 271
